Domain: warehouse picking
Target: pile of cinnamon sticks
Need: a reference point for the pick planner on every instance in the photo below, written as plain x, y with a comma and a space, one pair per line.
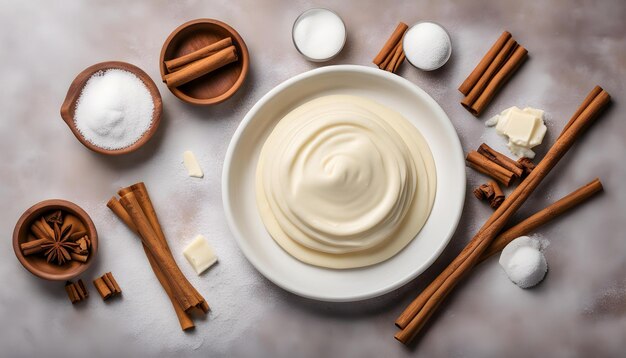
490, 162
198, 63
392, 55
135, 209
496, 67
76, 292
107, 286
414, 317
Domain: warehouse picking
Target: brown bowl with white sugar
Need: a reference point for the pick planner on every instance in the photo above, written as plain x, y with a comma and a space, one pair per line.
112, 108
55, 240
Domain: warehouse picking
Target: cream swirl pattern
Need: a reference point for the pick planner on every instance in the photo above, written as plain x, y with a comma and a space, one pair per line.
344, 182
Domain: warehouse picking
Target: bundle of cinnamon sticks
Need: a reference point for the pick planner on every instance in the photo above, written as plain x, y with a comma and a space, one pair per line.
76, 292
496, 67
198, 63
107, 286
392, 55
135, 209
490, 162
412, 320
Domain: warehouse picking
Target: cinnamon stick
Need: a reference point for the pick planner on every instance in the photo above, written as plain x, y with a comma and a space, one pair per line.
421, 309
141, 193
399, 62
137, 203
482, 164
72, 293
177, 63
493, 68
79, 257
184, 319
82, 290
108, 282
395, 58
510, 66
484, 191
478, 71
201, 67
32, 247
41, 230
501, 159
498, 195
76, 292
490, 191
113, 283
387, 61
549, 213
102, 288
586, 102
164, 259
107, 286
45, 227
390, 45
527, 164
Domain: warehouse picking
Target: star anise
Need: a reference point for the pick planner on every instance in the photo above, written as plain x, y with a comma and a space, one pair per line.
55, 217
57, 247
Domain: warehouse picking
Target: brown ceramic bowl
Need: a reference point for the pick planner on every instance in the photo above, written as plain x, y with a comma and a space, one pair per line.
73, 93
36, 263
214, 87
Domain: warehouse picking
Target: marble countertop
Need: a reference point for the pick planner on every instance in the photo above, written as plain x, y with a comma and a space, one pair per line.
579, 310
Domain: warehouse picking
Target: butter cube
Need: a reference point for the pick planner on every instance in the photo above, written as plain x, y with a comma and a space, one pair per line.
200, 254
520, 127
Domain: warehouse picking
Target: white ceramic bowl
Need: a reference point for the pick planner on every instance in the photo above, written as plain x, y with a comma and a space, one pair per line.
238, 190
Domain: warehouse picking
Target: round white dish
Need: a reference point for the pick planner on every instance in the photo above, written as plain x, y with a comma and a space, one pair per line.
238, 184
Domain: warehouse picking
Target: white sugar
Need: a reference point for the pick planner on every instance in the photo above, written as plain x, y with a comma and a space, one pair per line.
114, 109
523, 262
427, 46
319, 34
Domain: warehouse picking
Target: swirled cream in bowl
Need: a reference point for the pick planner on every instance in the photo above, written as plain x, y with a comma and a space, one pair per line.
344, 182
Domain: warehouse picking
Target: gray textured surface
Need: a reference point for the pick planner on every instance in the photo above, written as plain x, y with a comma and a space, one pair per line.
579, 310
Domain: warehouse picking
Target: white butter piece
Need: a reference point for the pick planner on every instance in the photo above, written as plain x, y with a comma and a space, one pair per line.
193, 168
520, 127
524, 129
500, 120
200, 254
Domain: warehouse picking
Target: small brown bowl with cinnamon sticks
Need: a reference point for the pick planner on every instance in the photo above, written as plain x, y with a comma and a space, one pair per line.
55, 240
204, 62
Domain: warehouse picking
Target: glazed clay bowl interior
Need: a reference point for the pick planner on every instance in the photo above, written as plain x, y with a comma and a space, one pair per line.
36, 263
218, 85
73, 94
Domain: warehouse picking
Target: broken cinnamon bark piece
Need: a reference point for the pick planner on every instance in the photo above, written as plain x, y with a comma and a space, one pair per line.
527, 164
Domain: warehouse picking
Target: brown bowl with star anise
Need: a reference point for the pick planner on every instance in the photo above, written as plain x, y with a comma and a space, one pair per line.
55, 240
